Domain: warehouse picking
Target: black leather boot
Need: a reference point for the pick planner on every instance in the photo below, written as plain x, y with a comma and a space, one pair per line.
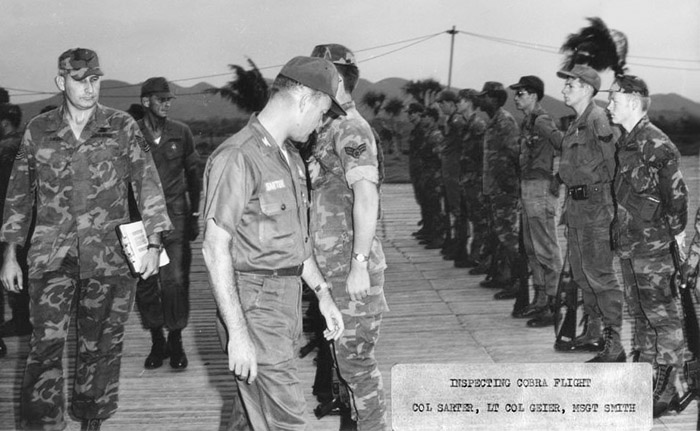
178, 359
613, 350
159, 350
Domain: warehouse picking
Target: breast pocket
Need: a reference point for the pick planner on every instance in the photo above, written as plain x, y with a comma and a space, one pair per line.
173, 149
50, 168
278, 212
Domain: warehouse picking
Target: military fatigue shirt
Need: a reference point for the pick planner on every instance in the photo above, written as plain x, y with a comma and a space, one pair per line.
345, 153
177, 163
501, 154
588, 158
415, 141
81, 191
650, 191
473, 145
260, 198
454, 137
540, 139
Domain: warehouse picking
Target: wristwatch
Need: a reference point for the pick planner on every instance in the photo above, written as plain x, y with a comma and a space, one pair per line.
156, 246
360, 257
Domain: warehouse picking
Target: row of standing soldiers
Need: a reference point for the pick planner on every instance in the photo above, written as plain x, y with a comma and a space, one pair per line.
625, 199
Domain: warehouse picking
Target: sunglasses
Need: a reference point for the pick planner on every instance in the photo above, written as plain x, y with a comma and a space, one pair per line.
521, 93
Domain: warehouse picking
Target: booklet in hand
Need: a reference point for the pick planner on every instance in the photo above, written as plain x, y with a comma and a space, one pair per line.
134, 241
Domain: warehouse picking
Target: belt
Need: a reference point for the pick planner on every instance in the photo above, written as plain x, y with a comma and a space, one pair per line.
292, 271
596, 188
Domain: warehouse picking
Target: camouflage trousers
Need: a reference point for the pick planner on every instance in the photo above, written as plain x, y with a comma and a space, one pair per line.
592, 268
358, 365
503, 221
103, 306
658, 330
476, 212
540, 234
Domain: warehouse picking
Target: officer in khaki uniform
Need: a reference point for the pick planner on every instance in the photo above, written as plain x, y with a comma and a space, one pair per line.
75, 165
344, 212
652, 208
163, 300
257, 244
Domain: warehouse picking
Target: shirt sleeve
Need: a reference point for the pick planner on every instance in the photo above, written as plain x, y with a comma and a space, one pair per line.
145, 182
194, 186
357, 151
21, 191
672, 188
548, 130
228, 185
605, 138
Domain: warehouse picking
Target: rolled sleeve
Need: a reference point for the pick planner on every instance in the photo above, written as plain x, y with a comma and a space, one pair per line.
358, 173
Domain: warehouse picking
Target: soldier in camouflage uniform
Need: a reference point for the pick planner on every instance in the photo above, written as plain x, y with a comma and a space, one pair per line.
652, 208
501, 184
76, 164
344, 212
539, 140
450, 155
586, 168
431, 178
471, 178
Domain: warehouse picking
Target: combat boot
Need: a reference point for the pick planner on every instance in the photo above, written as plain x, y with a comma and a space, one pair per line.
537, 306
590, 341
510, 291
545, 317
178, 359
159, 350
665, 392
613, 350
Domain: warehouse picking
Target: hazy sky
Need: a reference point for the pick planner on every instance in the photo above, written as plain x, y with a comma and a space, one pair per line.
183, 39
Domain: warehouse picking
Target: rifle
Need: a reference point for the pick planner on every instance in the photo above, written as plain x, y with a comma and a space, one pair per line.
691, 330
565, 308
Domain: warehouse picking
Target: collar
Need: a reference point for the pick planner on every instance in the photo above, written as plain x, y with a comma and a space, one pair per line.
98, 120
629, 139
269, 145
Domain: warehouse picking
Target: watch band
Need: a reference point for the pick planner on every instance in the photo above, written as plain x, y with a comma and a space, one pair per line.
360, 257
321, 286
156, 246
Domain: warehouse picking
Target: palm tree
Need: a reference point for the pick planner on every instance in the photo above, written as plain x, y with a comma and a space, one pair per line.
374, 99
248, 90
420, 90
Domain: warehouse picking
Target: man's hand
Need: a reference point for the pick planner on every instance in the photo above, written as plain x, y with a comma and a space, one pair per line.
358, 282
150, 264
334, 319
193, 227
242, 360
11, 275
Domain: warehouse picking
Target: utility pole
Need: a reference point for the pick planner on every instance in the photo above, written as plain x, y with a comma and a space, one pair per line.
452, 50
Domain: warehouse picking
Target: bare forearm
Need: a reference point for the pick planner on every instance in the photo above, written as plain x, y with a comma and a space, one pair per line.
364, 213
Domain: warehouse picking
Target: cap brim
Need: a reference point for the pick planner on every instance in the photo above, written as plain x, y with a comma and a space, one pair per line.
336, 110
90, 72
517, 86
566, 74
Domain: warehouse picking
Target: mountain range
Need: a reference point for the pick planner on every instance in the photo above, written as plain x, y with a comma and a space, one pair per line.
193, 103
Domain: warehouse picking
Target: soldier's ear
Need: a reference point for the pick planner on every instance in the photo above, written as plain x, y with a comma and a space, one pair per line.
61, 82
146, 102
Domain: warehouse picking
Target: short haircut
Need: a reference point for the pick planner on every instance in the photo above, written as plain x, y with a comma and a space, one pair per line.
282, 84
350, 74
540, 95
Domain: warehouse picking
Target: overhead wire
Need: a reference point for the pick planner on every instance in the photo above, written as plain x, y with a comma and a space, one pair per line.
407, 44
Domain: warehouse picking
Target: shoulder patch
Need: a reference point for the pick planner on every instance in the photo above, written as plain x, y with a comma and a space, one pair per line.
356, 152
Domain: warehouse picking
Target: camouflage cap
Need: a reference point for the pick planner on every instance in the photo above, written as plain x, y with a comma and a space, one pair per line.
79, 63
630, 84
447, 96
316, 73
335, 53
156, 86
583, 72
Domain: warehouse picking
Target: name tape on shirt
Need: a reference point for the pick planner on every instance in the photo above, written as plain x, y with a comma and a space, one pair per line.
274, 185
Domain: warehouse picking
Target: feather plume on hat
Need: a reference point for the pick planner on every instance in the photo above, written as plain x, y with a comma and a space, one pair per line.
596, 46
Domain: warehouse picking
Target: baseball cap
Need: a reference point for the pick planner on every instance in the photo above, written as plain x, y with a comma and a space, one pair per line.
491, 87
79, 63
630, 84
530, 82
335, 53
447, 96
156, 86
316, 73
585, 73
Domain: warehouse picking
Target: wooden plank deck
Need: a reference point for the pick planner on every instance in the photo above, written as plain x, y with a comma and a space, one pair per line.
438, 314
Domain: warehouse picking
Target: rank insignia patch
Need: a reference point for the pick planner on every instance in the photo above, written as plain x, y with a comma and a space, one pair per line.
356, 152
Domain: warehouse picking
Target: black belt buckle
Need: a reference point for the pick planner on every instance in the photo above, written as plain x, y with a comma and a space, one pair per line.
578, 193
